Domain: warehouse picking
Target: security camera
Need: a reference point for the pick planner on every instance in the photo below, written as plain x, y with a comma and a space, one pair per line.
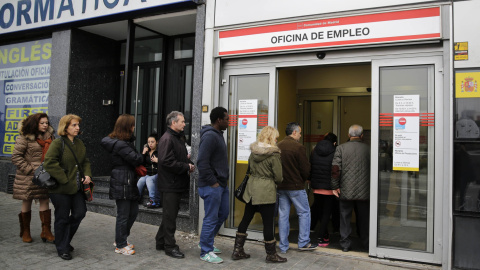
321, 55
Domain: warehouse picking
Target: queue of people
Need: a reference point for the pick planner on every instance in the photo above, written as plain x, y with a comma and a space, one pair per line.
278, 175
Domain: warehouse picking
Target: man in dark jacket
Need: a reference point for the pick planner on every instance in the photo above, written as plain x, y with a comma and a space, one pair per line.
212, 165
351, 183
296, 169
173, 180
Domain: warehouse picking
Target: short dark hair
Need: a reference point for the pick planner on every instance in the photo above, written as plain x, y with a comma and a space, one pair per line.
330, 137
217, 113
292, 126
153, 135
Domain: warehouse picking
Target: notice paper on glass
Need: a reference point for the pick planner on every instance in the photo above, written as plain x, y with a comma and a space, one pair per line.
406, 132
247, 128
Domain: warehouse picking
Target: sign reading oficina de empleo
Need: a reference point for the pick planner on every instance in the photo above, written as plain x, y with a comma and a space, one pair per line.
406, 143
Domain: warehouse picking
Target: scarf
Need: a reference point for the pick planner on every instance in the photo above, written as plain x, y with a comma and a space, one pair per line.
45, 144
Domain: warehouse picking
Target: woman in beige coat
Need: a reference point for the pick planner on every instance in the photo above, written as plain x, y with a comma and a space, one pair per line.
35, 136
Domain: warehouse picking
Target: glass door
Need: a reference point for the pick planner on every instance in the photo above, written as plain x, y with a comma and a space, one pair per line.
406, 178
249, 96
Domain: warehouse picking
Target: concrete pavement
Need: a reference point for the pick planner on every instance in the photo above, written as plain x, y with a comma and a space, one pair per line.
94, 249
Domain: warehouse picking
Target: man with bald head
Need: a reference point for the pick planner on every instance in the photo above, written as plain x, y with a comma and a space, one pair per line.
351, 183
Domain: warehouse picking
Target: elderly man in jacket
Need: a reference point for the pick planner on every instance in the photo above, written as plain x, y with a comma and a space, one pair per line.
296, 169
351, 183
173, 180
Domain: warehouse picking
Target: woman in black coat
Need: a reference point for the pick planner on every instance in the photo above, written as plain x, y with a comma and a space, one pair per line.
123, 180
320, 176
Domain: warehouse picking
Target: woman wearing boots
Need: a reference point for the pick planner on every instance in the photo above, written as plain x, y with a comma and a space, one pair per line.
261, 193
68, 197
35, 137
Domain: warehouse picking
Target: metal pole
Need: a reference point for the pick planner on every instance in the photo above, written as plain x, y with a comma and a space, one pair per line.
136, 97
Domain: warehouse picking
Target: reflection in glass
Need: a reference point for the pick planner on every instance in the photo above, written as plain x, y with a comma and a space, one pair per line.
467, 177
467, 120
405, 199
183, 47
244, 87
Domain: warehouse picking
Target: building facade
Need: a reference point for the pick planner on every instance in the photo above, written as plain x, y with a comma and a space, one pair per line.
100, 59
406, 71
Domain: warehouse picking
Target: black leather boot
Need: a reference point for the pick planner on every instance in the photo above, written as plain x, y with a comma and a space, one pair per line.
238, 251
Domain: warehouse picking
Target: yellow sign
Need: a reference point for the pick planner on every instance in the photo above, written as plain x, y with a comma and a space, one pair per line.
466, 85
461, 51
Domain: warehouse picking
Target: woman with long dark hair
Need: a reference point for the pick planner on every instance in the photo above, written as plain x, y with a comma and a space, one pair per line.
123, 180
33, 141
68, 197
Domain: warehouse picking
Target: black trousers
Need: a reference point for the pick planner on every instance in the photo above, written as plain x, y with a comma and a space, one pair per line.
267, 211
325, 206
127, 211
166, 232
362, 213
69, 212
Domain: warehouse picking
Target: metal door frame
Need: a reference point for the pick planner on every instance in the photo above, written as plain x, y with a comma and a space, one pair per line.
438, 101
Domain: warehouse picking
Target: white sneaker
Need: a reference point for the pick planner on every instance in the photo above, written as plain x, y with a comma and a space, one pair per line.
211, 258
125, 251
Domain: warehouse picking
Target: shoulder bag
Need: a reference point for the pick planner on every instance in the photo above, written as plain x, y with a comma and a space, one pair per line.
42, 178
87, 188
240, 190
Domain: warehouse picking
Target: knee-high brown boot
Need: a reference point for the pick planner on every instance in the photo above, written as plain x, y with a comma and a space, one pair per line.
46, 218
238, 251
21, 223
272, 256
26, 217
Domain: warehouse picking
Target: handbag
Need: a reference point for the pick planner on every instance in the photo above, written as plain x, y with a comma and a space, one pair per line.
42, 178
240, 190
87, 188
140, 170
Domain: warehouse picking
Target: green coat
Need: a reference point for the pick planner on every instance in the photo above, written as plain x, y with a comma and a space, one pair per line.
65, 171
265, 173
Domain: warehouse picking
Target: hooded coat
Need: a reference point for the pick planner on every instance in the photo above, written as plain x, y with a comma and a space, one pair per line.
123, 179
212, 162
27, 155
321, 165
265, 172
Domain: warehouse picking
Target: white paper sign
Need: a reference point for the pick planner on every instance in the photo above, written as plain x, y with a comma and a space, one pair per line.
247, 128
406, 132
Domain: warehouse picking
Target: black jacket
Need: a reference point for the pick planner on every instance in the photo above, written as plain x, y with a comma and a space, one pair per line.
173, 163
321, 162
123, 181
152, 167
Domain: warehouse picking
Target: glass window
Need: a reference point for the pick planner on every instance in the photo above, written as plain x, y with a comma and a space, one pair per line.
184, 47
405, 195
466, 161
245, 87
149, 50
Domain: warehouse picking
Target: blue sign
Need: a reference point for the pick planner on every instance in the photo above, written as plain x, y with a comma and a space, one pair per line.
24, 84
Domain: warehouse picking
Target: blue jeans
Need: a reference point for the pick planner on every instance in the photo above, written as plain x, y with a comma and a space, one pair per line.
216, 206
299, 199
151, 181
